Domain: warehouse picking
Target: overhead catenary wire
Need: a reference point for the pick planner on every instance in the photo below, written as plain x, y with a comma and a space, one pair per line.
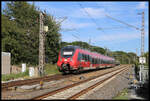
109, 28
129, 25
92, 19
88, 14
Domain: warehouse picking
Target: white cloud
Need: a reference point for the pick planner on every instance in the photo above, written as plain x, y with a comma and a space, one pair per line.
94, 12
118, 37
76, 25
141, 5
85, 12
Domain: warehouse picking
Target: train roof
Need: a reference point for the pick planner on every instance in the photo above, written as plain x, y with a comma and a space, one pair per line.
94, 54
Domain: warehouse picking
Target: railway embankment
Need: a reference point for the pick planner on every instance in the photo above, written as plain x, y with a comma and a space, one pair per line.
107, 90
111, 89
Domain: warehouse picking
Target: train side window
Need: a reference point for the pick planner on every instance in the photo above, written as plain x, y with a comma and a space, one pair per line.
96, 60
92, 60
86, 57
79, 56
102, 61
83, 57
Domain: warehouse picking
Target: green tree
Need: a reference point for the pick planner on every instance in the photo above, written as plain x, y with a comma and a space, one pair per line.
53, 38
10, 36
23, 25
146, 55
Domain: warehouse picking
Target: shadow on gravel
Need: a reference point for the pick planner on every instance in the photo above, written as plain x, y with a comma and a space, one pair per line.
86, 71
92, 70
143, 91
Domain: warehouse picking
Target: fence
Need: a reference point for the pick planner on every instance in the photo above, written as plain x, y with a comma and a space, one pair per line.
143, 73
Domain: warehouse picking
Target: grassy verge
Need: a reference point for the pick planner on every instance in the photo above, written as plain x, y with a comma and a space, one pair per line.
51, 69
6, 77
123, 95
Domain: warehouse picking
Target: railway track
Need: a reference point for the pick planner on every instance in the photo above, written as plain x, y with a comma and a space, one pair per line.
75, 96
5, 86
61, 92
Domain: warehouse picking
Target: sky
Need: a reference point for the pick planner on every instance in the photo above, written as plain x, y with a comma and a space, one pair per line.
88, 22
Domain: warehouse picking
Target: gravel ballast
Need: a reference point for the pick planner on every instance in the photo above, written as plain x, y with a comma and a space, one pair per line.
111, 89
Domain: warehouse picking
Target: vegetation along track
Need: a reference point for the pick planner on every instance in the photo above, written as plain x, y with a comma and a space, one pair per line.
5, 86
79, 83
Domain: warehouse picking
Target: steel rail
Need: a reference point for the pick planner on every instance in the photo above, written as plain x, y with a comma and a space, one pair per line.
70, 86
93, 86
5, 86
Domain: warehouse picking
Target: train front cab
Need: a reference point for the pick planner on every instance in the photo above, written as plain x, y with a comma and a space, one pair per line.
66, 61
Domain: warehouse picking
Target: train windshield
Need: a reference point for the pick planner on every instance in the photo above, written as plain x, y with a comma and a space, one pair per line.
67, 52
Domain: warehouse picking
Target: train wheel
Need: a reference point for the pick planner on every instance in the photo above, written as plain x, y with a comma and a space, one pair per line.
64, 73
76, 72
97, 68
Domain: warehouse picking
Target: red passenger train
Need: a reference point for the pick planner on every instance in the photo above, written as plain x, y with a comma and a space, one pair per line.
74, 59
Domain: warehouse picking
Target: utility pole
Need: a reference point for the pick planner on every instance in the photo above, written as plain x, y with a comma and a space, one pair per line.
136, 54
142, 44
41, 46
89, 43
142, 35
106, 52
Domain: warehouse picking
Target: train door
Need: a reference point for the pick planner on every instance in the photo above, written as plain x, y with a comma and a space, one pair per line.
87, 63
83, 60
79, 60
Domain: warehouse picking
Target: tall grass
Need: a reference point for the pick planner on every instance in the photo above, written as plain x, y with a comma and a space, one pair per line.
123, 95
51, 69
6, 77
